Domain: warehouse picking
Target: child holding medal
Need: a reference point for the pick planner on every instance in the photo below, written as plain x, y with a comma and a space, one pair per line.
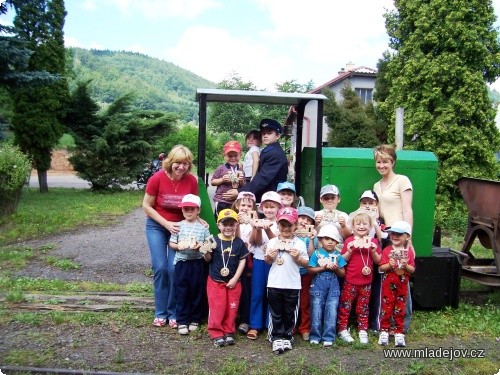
226, 264
189, 264
327, 266
286, 253
397, 263
243, 205
360, 252
262, 231
306, 232
227, 176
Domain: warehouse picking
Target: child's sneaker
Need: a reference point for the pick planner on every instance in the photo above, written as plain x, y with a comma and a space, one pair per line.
219, 343
159, 322
327, 343
230, 340
183, 330
346, 336
287, 345
305, 336
399, 340
172, 323
193, 327
314, 342
278, 346
383, 338
363, 337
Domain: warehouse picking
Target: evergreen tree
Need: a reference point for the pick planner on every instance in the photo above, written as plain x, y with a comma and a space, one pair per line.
349, 124
38, 111
111, 147
445, 52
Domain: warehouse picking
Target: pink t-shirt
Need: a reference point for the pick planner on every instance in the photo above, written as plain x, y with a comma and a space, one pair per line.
355, 264
169, 193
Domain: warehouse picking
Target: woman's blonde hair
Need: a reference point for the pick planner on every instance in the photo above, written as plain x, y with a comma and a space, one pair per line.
178, 154
385, 152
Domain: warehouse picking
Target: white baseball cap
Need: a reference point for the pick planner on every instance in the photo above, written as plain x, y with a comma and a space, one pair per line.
271, 196
190, 200
369, 194
329, 189
400, 226
330, 231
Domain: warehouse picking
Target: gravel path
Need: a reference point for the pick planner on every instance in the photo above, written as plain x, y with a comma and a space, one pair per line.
118, 253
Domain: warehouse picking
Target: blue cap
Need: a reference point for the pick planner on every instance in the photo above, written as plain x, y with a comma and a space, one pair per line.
285, 186
306, 211
268, 123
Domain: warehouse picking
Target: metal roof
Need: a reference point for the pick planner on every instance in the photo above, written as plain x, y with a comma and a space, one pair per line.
260, 97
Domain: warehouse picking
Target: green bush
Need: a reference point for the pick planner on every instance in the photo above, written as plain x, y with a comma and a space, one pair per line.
14, 170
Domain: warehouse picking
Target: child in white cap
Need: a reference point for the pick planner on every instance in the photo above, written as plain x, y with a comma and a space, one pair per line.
329, 197
263, 230
327, 266
189, 265
397, 263
243, 205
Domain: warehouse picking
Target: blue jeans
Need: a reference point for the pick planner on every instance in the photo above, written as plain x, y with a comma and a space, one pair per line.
325, 293
162, 260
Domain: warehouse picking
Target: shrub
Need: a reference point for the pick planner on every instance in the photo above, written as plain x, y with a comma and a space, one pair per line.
14, 170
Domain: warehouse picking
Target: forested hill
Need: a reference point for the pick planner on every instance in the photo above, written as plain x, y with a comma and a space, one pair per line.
156, 84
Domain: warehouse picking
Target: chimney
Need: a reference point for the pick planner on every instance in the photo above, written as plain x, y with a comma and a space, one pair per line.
350, 66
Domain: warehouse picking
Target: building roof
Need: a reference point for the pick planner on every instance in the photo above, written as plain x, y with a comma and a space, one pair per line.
345, 74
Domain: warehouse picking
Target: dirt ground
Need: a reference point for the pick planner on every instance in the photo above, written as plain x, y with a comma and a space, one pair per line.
119, 253
59, 163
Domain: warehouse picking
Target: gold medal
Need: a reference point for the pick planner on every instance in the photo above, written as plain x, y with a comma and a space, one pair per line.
224, 271
366, 270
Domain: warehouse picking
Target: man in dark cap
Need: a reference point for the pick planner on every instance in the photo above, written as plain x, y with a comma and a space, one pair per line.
273, 164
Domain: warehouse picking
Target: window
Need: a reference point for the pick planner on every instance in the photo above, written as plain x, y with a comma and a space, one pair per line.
365, 95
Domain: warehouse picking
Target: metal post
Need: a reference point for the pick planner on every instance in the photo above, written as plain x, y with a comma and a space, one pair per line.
400, 114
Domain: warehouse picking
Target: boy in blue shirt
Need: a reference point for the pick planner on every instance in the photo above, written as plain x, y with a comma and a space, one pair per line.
327, 266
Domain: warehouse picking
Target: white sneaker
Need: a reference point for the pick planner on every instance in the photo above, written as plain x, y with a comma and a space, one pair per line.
183, 330
278, 346
399, 340
314, 342
327, 343
383, 338
346, 336
363, 337
287, 345
193, 327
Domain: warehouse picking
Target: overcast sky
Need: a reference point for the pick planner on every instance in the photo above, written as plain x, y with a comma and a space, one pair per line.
264, 41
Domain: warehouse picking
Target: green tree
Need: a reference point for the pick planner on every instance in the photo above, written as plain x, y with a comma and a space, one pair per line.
233, 118
349, 124
38, 111
280, 112
111, 148
445, 52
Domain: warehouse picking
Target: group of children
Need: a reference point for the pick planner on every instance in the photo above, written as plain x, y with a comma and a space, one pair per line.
289, 268
283, 266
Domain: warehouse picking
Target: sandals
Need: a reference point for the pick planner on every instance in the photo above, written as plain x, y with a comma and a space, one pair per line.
159, 322
173, 323
252, 334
